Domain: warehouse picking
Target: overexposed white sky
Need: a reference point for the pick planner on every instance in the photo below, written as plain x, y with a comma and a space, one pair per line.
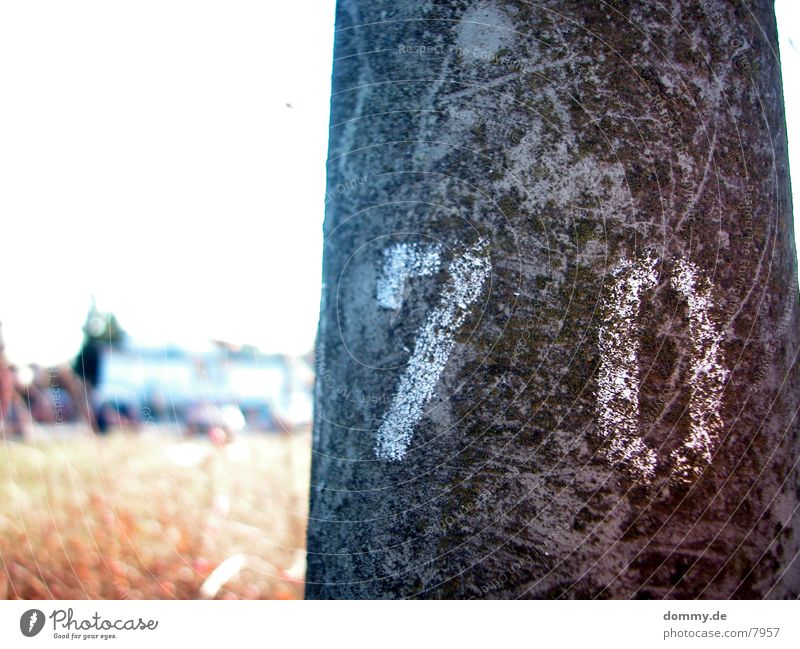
148, 158
787, 13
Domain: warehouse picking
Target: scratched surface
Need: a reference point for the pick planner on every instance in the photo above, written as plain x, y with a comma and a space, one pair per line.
609, 408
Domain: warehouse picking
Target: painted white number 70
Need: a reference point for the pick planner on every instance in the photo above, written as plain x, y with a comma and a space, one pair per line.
436, 339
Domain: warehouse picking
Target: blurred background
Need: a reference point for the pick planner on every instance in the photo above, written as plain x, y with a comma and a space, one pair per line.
162, 189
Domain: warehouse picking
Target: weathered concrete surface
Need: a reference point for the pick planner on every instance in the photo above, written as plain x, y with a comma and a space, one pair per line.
580, 139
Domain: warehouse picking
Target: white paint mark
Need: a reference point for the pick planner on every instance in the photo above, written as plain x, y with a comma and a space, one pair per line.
618, 377
707, 375
435, 341
400, 262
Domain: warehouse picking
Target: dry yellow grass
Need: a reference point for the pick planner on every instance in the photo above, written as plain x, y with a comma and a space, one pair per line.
137, 516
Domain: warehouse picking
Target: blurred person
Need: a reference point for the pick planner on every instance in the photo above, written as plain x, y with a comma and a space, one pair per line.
79, 393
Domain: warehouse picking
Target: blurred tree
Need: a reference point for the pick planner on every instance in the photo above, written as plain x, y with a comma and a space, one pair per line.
100, 331
14, 418
557, 352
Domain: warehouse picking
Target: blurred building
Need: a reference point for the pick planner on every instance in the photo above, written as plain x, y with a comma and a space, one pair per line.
171, 384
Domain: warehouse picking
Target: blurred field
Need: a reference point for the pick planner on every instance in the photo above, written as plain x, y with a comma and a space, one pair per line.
150, 516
